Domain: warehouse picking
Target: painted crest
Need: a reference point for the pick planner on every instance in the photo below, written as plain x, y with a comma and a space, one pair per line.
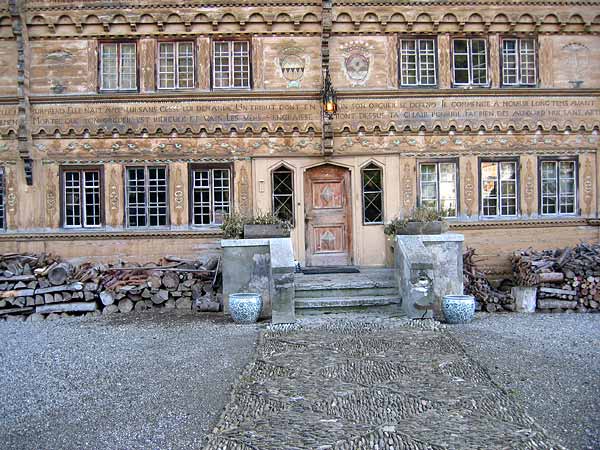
358, 60
292, 62
578, 56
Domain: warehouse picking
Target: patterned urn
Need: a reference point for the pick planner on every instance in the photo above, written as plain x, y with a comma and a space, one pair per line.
245, 307
458, 308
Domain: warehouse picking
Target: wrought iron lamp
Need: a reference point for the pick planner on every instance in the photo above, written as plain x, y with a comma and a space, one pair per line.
328, 97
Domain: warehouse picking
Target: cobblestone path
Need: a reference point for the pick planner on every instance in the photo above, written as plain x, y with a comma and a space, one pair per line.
369, 384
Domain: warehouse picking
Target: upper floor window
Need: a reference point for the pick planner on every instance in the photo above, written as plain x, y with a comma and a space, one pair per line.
519, 62
175, 65
438, 186
372, 190
558, 186
418, 62
146, 196
2, 196
82, 198
118, 66
283, 194
211, 195
469, 62
231, 64
499, 188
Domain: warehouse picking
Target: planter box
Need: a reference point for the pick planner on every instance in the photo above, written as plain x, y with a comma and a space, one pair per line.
265, 231
414, 228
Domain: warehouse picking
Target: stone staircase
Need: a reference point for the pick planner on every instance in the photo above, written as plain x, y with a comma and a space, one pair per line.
372, 289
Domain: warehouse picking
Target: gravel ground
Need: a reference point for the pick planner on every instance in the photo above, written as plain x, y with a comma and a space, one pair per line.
137, 381
550, 363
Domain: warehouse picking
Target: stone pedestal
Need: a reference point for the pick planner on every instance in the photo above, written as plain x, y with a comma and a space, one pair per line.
427, 268
264, 266
525, 298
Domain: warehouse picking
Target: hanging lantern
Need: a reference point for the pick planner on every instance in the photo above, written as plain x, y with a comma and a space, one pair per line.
328, 97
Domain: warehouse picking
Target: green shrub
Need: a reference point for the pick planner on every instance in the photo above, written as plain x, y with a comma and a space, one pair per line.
419, 214
233, 224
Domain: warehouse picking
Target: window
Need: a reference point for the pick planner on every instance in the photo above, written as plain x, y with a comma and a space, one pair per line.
82, 198
118, 66
211, 195
499, 188
417, 62
2, 196
558, 186
147, 197
231, 64
469, 62
438, 186
283, 194
175, 65
519, 62
372, 190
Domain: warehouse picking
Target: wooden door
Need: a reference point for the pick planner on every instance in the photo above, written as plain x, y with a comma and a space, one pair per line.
328, 216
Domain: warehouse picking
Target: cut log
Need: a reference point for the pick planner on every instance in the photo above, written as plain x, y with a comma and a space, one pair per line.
110, 309
17, 278
107, 298
547, 290
15, 310
76, 286
170, 280
553, 303
60, 273
19, 293
125, 305
551, 277
67, 307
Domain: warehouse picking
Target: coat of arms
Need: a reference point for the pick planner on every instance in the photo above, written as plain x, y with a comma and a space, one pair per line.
292, 61
357, 64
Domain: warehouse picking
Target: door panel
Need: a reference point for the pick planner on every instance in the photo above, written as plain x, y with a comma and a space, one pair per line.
328, 216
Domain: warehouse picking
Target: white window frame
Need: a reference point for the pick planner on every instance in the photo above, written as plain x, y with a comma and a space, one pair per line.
82, 190
210, 187
231, 57
176, 60
438, 199
557, 180
519, 56
470, 67
418, 61
119, 46
147, 206
500, 194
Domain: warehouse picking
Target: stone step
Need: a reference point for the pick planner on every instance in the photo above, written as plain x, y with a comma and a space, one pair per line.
304, 292
351, 302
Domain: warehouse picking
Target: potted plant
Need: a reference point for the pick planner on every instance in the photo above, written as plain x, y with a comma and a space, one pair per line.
422, 220
261, 225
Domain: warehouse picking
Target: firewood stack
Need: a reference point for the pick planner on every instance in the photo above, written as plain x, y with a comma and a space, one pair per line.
477, 285
34, 287
566, 279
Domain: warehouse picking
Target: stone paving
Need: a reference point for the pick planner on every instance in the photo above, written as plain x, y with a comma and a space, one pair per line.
372, 383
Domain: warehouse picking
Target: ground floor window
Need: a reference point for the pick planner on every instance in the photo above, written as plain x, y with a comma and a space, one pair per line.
82, 198
147, 196
558, 187
498, 188
283, 193
438, 186
372, 194
211, 195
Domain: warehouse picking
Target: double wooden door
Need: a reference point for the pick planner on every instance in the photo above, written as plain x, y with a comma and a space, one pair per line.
328, 216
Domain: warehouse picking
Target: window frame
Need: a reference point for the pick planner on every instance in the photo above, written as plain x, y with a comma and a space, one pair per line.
536, 65
518, 186
230, 40
146, 167
469, 40
281, 168
119, 43
576, 209
176, 43
198, 166
362, 193
418, 38
63, 210
437, 162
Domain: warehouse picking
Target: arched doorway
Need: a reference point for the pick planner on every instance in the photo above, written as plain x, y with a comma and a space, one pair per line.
328, 216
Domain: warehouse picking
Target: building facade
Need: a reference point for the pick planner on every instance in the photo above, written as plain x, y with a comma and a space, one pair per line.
130, 128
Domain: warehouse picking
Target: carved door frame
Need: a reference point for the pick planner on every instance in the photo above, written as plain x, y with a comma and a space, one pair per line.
342, 218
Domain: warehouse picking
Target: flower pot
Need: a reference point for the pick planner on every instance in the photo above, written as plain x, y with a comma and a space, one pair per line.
245, 307
265, 231
458, 308
413, 228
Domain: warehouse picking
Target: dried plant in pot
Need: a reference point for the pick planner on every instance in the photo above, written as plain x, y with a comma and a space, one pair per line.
258, 226
422, 220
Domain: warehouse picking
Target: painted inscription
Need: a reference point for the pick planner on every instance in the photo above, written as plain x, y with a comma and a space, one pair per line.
8, 118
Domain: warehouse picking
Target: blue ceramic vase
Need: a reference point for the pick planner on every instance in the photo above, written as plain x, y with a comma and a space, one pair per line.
245, 307
458, 308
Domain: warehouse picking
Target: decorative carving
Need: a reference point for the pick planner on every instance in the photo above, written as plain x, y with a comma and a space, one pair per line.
11, 194
50, 194
529, 187
244, 190
291, 62
113, 196
469, 189
179, 195
588, 186
358, 61
407, 188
